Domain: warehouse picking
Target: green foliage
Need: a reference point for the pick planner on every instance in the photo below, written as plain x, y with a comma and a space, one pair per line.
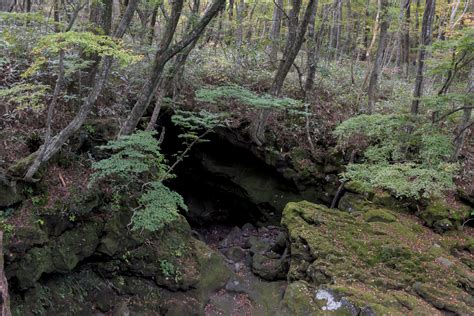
169, 270
244, 96
88, 43
25, 95
194, 123
410, 159
135, 160
159, 206
132, 156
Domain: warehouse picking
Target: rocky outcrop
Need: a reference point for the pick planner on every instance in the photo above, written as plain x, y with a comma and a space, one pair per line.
100, 265
381, 261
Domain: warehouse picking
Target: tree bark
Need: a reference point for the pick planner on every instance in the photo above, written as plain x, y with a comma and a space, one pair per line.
425, 40
466, 118
274, 45
377, 65
406, 38
311, 52
296, 33
163, 55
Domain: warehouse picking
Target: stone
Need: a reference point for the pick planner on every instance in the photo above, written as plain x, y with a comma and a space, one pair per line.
248, 227
444, 262
232, 238
442, 216
11, 193
372, 264
443, 225
379, 215
269, 269
235, 254
256, 245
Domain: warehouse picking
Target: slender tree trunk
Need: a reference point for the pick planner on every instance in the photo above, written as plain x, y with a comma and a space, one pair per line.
311, 52
377, 65
349, 25
274, 45
294, 41
466, 119
164, 54
239, 32
406, 38
375, 30
151, 34
49, 120
425, 40
175, 73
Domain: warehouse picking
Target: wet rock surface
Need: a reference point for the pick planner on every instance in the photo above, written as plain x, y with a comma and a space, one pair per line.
256, 287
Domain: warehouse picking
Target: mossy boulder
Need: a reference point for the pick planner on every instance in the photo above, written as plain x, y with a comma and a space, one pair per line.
372, 261
379, 215
443, 217
11, 192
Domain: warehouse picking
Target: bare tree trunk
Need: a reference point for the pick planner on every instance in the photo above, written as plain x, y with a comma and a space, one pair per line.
348, 45
377, 65
49, 120
99, 81
274, 46
175, 73
151, 34
406, 38
239, 32
425, 40
294, 41
5, 303
466, 119
311, 52
164, 54
375, 30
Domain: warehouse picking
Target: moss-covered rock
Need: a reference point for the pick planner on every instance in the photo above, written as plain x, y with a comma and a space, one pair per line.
443, 217
373, 263
379, 215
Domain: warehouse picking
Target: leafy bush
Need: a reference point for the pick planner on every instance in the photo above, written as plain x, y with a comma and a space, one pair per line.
136, 162
410, 159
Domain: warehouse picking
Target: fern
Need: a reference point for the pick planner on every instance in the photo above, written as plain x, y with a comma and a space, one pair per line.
159, 206
136, 159
132, 156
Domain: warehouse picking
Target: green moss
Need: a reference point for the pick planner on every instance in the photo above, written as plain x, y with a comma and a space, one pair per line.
359, 188
438, 211
379, 215
372, 260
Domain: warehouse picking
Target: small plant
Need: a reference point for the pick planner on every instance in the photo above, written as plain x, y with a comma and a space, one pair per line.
137, 164
410, 159
169, 270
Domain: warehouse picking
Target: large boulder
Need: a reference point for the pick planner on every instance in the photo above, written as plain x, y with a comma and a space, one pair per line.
374, 260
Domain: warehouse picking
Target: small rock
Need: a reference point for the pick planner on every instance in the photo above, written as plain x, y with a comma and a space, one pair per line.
269, 269
235, 254
121, 309
231, 238
444, 262
443, 225
280, 243
248, 227
256, 245
379, 215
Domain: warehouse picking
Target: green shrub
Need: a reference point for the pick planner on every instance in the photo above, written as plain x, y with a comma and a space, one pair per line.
137, 164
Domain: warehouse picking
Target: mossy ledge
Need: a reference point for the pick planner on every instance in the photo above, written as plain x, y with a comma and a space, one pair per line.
393, 267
